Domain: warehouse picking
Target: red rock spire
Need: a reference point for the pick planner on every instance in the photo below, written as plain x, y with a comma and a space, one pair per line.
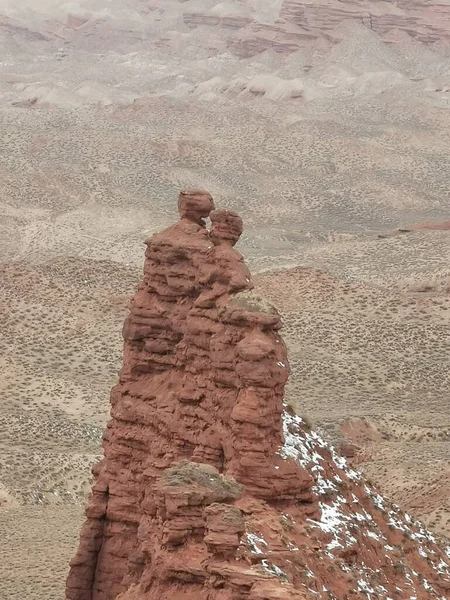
210, 488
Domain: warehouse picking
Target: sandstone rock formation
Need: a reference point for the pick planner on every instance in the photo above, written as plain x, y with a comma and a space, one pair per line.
298, 22
429, 22
211, 488
246, 28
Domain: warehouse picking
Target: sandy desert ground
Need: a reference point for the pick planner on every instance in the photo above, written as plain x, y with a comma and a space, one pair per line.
324, 152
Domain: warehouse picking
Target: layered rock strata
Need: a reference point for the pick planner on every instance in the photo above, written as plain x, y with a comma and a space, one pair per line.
298, 22
427, 21
210, 487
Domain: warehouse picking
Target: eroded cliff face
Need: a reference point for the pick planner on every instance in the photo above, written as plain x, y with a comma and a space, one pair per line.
298, 22
425, 20
211, 488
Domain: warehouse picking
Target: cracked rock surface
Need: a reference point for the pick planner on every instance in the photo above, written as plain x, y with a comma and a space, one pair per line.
211, 487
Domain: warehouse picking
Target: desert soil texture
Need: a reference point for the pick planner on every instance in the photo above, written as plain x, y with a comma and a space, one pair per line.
325, 126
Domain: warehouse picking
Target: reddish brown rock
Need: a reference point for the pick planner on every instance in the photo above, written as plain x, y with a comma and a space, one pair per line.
210, 487
418, 18
226, 226
195, 205
298, 23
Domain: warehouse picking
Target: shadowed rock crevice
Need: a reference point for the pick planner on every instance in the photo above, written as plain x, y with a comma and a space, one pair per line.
210, 487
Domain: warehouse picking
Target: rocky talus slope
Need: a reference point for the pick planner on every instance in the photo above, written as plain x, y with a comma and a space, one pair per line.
211, 487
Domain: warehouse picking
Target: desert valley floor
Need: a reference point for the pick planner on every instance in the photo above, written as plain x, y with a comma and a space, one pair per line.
341, 175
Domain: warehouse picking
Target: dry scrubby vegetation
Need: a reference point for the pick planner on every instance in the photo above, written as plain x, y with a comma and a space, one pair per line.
37, 545
315, 181
61, 350
370, 363
364, 340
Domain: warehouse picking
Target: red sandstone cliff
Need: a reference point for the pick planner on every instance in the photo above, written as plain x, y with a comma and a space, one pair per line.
298, 22
210, 487
243, 26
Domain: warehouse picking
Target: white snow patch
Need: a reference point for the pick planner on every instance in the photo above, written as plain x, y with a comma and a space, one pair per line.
363, 586
272, 569
254, 541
